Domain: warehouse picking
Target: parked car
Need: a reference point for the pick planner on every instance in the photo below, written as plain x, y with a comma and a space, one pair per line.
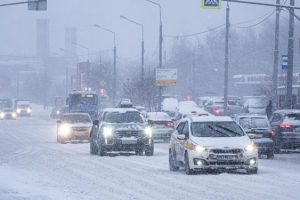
74, 126
286, 124
259, 130
121, 130
8, 113
162, 125
203, 143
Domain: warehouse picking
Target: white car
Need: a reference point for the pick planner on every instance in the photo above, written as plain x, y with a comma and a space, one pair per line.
204, 143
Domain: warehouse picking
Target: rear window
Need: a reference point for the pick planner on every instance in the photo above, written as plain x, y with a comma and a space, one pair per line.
216, 129
292, 117
254, 122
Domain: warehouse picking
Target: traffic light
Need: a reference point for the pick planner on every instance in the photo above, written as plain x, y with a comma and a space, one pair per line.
37, 5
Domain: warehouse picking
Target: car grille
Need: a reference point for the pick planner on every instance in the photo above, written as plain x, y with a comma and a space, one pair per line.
225, 163
226, 151
127, 133
80, 129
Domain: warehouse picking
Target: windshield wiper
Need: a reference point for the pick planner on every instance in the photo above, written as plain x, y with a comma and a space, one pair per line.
222, 133
229, 130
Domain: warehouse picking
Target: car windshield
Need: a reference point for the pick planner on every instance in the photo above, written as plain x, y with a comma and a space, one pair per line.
76, 119
216, 129
292, 117
126, 117
23, 106
253, 122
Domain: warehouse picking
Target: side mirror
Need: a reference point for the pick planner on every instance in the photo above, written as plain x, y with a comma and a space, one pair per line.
58, 121
96, 122
181, 137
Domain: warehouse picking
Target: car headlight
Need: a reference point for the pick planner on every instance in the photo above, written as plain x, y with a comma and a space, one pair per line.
28, 110
199, 148
250, 148
107, 132
148, 131
18, 110
14, 115
64, 129
57, 112
2, 115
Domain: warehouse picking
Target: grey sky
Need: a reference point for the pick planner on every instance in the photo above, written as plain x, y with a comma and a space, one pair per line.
17, 32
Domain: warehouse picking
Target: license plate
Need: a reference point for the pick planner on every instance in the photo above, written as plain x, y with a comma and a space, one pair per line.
79, 133
129, 141
226, 157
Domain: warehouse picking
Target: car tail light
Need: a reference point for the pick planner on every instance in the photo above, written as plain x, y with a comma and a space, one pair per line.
216, 111
272, 134
286, 127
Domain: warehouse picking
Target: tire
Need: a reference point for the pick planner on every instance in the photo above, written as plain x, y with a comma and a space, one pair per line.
187, 168
270, 155
139, 152
150, 151
252, 171
172, 162
101, 151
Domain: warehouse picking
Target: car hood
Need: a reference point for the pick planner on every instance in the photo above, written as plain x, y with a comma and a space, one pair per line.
223, 142
125, 126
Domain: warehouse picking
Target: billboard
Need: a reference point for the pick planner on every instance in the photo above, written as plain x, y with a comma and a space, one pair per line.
166, 76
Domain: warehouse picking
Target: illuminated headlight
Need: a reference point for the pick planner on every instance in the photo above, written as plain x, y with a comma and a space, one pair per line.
64, 130
14, 115
252, 161
199, 148
18, 110
2, 115
57, 112
250, 148
107, 132
28, 110
148, 131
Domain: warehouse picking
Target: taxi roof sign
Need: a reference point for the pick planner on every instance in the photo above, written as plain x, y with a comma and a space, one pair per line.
211, 4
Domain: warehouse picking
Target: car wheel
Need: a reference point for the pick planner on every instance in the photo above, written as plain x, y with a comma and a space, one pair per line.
270, 155
252, 171
139, 152
150, 151
172, 162
187, 168
277, 150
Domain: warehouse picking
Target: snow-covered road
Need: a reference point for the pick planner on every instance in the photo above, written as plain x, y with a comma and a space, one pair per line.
34, 167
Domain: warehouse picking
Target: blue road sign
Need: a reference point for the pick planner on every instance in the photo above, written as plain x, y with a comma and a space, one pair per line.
284, 59
211, 4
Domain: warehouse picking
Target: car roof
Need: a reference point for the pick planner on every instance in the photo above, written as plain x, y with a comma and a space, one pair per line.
67, 114
157, 116
210, 118
288, 111
249, 115
121, 110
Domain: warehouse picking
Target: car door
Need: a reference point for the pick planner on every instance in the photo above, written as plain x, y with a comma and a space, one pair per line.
181, 143
175, 140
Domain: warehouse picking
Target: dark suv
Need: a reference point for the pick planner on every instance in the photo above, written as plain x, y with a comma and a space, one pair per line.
286, 124
121, 130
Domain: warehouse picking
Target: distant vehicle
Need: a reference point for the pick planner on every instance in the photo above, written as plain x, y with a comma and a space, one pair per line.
121, 130
216, 107
8, 113
235, 105
259, 130
162, 125
74, 126
84, 102
23, 108
187, 108
125, 103
255, 104
56, 113
170, 106
286, 124
6, 103
201, 144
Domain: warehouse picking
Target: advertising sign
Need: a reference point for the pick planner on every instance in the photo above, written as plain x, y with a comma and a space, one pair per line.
166, 76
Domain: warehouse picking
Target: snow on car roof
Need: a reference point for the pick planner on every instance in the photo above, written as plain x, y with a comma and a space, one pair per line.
249, 115
288, 111
158, 116
67, 114
211, 118
121, 110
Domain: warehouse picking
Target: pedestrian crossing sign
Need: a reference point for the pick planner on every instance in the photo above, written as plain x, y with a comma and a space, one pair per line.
211, 4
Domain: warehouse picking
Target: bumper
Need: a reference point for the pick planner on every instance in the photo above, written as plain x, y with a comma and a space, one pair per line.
76, 136
24, 113
200, 162
7, 116
118, 145
161, 134
264, 147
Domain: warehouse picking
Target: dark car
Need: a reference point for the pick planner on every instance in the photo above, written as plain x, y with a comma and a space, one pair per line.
286, 124
259, 130
121, 130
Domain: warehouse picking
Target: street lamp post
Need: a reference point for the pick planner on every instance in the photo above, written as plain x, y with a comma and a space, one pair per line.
160, 49
142, 43
115, 61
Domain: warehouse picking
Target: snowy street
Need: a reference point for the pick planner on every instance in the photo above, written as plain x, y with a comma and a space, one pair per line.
34, 167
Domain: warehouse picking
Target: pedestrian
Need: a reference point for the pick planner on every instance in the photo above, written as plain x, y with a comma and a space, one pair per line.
269, 109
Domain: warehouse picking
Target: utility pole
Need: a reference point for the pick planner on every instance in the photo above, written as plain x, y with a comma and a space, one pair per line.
226, 61
289, 87
115, 73
67, 81
276, 54
160, 61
